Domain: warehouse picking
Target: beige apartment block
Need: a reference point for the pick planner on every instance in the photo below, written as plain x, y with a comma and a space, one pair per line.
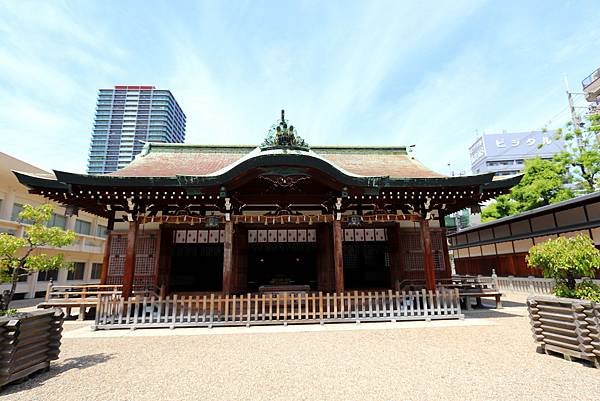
86, 252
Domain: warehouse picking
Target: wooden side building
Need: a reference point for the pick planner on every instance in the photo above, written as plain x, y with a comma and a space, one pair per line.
501, 245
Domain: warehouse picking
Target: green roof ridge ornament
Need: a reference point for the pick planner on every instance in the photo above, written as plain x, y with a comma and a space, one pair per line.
282, 135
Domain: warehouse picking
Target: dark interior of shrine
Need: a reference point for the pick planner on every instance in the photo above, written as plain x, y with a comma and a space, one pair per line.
282, 263
196, 267
366, 265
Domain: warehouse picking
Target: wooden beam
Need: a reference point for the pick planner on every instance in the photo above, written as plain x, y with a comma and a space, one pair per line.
129, 269
228, 259
427, 256
106, 259
338, 256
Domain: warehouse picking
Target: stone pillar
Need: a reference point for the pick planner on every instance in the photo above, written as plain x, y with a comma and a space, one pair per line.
87, 272
228, 259
129, 269
31, 285
7, 205
338, 256
427, 256
71, 223
61, 277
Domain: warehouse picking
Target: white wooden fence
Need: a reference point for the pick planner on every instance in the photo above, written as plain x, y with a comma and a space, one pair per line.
280, 308
529, 285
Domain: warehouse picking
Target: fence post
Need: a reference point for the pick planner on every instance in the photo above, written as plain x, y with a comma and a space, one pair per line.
49, 289
510, 283
494, 279
531, 280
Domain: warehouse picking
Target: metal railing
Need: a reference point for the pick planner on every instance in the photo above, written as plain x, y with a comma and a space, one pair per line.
590, 79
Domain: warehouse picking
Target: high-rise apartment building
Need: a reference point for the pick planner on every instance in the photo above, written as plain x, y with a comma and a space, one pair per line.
128, 116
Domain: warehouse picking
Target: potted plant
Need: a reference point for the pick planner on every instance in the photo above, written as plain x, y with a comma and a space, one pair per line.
568, 322
29, 341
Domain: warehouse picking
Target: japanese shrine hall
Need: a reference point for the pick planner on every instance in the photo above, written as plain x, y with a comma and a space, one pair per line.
284, 215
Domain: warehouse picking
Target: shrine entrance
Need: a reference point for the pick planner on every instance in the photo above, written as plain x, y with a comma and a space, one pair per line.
366, 265
196, 261
367, 261
282, 259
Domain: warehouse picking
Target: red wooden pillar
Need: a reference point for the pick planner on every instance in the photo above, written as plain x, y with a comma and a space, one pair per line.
338, 256
106, 259
228, 258
129, 268
427, 256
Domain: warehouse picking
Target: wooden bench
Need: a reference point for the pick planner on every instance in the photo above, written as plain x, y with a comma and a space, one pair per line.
469, 295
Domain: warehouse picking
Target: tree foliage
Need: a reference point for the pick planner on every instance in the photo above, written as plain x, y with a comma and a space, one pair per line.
574, 171
582, 153
21, 256
503, 206
565, 259
543, 183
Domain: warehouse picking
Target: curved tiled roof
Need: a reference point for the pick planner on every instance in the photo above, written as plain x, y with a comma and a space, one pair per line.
167, 160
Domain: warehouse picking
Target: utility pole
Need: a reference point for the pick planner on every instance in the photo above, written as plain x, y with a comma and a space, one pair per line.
575, 118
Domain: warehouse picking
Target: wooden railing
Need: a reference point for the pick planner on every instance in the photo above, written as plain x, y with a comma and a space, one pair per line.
91, 292
283, 308
87, 295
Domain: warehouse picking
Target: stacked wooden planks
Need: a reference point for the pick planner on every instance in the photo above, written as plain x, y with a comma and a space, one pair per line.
570, 327
28, 343
276, 308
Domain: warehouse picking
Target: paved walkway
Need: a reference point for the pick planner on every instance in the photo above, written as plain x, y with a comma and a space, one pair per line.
488, 356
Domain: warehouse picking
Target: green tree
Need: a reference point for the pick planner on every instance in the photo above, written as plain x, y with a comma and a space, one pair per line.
503, 206
565, 259
543, 183
581, 156
21, 256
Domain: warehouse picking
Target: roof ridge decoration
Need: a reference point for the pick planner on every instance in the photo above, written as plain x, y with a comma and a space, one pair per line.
283, 136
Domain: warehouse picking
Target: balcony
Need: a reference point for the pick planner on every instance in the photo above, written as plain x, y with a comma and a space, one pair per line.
87, 244
591, 86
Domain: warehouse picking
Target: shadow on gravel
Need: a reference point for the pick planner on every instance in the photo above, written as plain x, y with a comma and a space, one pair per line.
513, 304
487, 313
56, 368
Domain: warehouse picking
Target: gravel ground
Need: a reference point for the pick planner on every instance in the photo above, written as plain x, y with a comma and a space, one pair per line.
496, 360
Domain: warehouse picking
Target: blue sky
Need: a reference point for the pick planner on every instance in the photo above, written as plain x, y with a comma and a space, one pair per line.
347, 72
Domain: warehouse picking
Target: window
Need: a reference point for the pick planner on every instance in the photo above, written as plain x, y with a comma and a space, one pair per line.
17, 208
22, 275
83, 227
47, 275
101, 231
96, 271
57, 220
77, 272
